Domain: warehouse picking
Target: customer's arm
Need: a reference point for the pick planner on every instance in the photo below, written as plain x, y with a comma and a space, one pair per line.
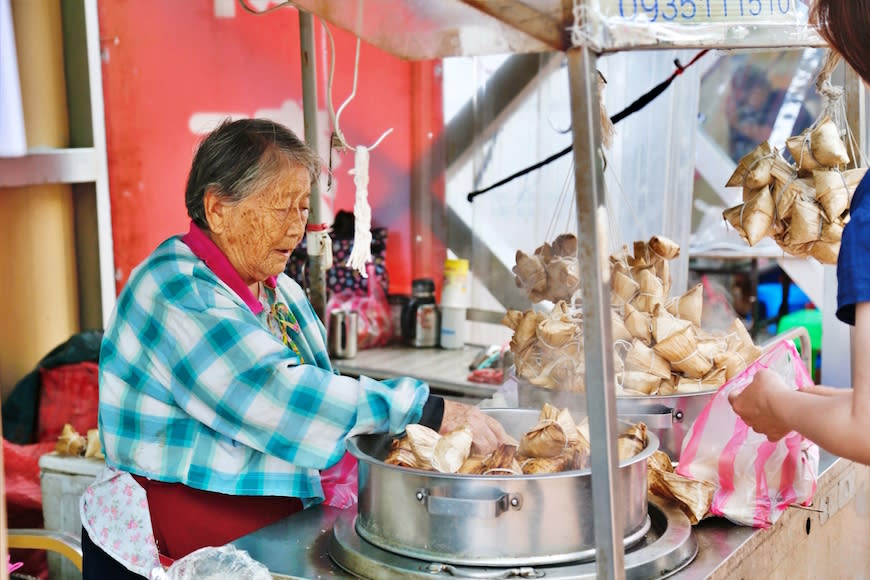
836, 422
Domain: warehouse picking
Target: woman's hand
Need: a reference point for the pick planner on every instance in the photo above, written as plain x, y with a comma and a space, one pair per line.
755, 405
486, 432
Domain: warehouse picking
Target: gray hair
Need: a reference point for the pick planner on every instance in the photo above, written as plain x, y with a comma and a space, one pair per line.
242, 157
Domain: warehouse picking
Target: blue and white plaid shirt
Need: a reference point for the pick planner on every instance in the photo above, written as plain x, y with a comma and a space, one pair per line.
194, 388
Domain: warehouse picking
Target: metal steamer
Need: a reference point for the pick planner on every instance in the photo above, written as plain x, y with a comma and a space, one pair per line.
669, 417
413, 523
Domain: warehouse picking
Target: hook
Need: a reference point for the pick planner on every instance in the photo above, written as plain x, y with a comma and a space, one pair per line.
350, 97
381, 138
338, 134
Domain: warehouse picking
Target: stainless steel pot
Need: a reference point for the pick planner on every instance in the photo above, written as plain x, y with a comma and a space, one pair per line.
487, 520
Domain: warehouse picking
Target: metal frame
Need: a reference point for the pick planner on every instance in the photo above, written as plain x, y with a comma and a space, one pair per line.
61, 543
522, 17
316, 272
544, 25
426, 29
101, 179
592, 252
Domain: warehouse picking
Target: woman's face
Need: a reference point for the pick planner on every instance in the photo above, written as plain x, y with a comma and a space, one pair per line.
258, 233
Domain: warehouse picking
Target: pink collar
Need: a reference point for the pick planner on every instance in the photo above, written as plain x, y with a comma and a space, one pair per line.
206, 250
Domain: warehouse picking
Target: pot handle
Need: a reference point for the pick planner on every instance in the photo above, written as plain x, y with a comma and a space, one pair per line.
654, 416
439, 505
524, 572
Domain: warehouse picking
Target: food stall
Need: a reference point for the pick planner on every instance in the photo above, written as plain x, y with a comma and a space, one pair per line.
322, 542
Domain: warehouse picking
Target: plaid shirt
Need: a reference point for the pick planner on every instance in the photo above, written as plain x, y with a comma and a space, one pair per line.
194, 388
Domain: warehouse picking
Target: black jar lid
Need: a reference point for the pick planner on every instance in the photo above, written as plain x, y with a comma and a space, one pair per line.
422, 286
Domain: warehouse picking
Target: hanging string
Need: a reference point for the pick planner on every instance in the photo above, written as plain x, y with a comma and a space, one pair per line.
361, 252
835, 108
636, 106
565, 202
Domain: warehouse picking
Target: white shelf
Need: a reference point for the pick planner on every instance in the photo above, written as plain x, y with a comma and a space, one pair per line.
78, 165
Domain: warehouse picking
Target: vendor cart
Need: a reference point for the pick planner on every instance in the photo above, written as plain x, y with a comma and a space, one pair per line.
420, 29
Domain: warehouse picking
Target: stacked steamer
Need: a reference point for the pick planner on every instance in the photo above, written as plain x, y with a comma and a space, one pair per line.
659, 345
803, 206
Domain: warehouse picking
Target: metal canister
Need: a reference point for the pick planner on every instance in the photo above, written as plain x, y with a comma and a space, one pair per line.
342, 334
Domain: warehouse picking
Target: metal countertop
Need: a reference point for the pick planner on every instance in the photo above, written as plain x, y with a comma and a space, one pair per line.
445, 370
296, 547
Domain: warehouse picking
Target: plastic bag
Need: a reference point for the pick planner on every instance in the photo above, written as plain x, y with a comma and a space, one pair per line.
375, 324
70, 393
221, 563
24, 498
755, 479
340, 483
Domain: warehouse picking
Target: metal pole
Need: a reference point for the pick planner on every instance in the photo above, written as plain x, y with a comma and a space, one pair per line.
593, 254
101, 184
316, 274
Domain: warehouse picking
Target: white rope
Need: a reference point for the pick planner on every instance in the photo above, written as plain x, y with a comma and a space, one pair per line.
361, 253
582, 30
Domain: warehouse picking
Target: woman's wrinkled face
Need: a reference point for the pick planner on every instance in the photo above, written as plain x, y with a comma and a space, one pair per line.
258, 233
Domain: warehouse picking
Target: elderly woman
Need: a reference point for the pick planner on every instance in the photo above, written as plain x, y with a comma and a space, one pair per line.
219, 407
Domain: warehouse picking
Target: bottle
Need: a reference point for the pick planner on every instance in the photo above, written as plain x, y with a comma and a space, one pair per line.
421, 318
397, 302
454, 304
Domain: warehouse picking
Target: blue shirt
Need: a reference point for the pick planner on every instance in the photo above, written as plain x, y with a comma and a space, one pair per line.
853, 263
196, 389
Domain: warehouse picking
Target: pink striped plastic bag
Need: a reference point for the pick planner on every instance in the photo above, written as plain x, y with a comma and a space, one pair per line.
755, 479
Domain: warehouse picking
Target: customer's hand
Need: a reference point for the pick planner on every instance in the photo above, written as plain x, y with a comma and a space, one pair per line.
754, 405
486, 432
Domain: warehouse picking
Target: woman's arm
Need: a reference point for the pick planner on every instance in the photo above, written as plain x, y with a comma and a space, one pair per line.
836, 422
827, 391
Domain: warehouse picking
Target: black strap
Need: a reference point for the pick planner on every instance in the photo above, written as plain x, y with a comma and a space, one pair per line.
636, 106
433, 412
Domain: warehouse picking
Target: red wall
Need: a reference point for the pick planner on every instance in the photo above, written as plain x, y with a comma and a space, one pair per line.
169, 64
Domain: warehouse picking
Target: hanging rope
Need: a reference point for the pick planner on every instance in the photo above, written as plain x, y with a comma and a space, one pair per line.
636, 106
361, 252
319, 243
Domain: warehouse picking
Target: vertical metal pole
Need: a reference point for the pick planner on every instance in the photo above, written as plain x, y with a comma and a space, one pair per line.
101, 186
316, 274
593, 254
